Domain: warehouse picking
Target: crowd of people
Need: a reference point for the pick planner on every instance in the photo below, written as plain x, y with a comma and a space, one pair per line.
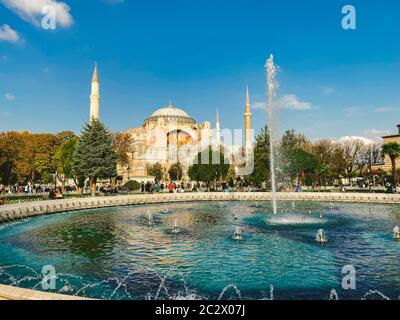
181, 187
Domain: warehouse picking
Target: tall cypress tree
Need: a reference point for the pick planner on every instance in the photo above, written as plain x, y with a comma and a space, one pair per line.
95, 158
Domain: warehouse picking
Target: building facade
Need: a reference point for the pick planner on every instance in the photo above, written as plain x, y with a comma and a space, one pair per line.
168, 136
387, 164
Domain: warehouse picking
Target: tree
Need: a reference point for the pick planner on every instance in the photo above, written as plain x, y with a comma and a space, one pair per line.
11, 144
37, 158
132, 185
352, 154
64, 160
209, 171
392, 150
323, 153
94, 157
175, 172
293, 140
299, 161
155, 170
123, 146
261, 173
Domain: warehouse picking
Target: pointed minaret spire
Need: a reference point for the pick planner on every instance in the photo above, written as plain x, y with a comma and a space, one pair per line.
247, 120
95, 95
95, 77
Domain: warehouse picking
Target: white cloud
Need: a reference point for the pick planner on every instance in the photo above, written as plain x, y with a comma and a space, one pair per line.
31, 10
384, 109
376, 134
366, 140
289, 101
8, 34
9, 97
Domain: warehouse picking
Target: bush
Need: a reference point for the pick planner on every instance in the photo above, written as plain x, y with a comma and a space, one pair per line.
132, 185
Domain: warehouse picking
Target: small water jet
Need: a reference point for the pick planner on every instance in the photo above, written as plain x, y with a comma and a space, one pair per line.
321, 237
396, 233
150, 220
238, 234
175, 228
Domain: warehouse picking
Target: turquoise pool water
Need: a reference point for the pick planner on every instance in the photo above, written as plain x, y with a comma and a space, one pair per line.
117, 254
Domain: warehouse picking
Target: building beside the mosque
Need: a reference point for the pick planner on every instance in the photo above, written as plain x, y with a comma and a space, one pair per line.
387, 164
168, 136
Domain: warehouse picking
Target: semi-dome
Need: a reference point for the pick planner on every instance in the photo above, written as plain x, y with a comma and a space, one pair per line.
171, 113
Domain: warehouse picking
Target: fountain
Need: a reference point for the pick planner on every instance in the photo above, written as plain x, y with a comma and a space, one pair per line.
321, 237
272, 86
176, 229
150, 219
238, 234
396, 232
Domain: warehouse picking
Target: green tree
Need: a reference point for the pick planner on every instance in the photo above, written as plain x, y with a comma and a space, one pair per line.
293, 140
155, 170
209, 171
392, 150
64, 160
94, 157
132, 185
175, 172
261, 173
299, 161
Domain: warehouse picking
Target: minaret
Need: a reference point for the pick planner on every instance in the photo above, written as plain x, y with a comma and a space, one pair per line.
95, 96
217, 129
247, 120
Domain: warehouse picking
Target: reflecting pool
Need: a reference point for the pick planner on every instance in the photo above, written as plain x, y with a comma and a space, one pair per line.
193, 251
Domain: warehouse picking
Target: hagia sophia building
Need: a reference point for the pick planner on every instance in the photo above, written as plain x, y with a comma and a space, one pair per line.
167, 136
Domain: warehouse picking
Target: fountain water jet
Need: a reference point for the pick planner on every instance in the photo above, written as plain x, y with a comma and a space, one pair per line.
272, 85
321, 237
396, 233
150, 220
238, 234
176, 229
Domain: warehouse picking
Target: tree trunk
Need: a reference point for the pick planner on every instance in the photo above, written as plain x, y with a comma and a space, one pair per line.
93, 186
394, 172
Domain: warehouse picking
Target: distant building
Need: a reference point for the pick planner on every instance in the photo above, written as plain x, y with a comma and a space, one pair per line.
387, 164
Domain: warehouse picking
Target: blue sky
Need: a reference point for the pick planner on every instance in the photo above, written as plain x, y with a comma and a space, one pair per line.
201, 55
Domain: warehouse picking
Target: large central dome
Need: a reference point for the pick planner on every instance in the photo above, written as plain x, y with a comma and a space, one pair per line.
171, 113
